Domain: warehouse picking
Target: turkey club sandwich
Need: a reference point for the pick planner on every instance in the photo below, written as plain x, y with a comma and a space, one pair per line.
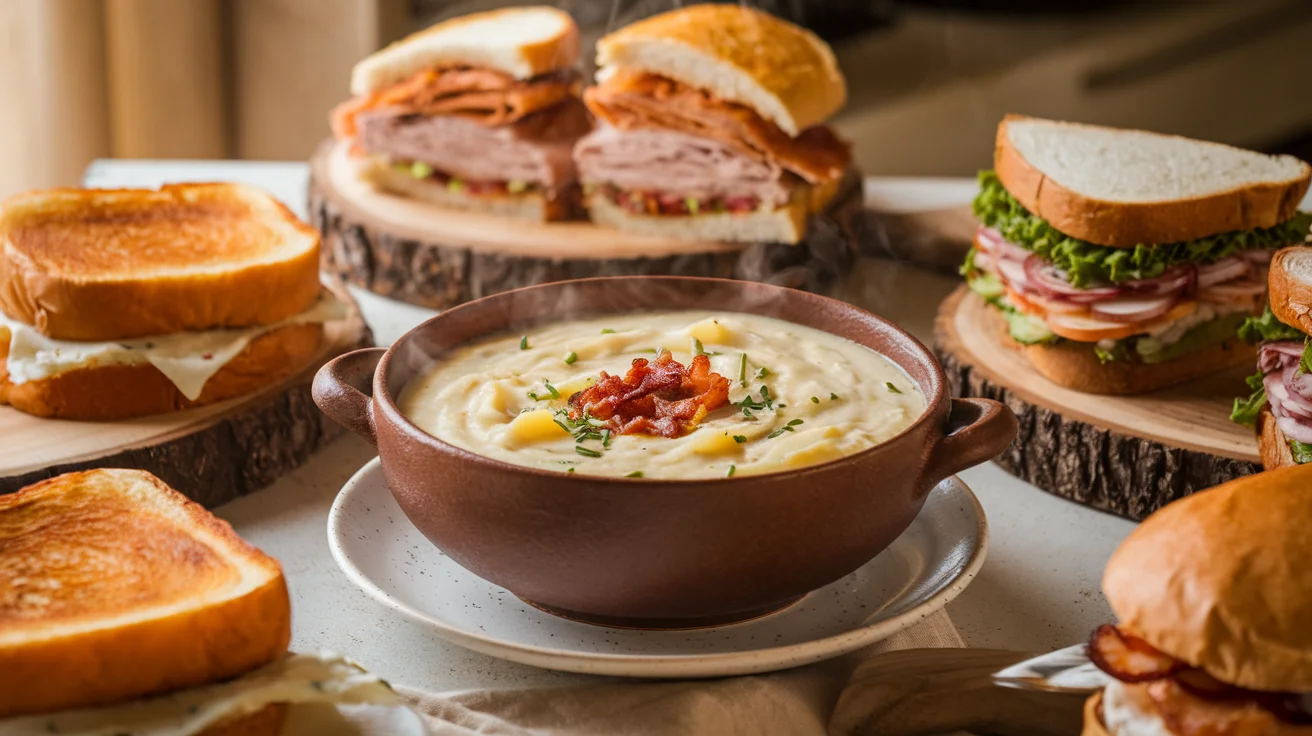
119, 303
1281, 403
127, 609
709, 127
479, 112
1213, 596
1124, 261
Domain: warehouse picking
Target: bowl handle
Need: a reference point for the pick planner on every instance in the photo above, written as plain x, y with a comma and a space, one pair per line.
978, 430
342, 389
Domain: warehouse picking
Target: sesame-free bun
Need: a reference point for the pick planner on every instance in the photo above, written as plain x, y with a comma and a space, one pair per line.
1221, 580
784, 72
521, 41
1290, 281
1121, 188
1271, 442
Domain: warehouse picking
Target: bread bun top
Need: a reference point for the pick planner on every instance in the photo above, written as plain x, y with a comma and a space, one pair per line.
1222, 579
1121, 188
521, 41
784, 72
185, 257
1290, 281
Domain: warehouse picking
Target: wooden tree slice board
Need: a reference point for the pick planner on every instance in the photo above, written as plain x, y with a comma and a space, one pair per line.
212, 454
1129, 455
438, 257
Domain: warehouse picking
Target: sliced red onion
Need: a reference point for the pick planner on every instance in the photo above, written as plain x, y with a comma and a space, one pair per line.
1226, 269
1275, 356
987, 238
1013, 273
992, 242
1176, 280
983, 261
1132, 309
1294, 429
1048, 280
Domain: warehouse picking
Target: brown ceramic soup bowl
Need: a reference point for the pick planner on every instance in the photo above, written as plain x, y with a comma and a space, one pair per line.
648, 552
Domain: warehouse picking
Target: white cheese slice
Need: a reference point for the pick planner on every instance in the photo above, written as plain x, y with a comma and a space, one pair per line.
188, 359
297, 680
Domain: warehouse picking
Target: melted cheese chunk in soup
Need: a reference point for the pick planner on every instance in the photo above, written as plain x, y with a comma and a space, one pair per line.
797, 396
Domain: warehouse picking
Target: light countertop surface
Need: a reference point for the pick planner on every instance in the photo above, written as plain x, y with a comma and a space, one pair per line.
1038, 590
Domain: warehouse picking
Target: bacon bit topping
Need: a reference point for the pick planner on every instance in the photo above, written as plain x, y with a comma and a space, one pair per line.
1129, 658
659, 397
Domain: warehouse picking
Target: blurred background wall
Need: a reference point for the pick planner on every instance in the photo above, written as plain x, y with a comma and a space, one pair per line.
929, 79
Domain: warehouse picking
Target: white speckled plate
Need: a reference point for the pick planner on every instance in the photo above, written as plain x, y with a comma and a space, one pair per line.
930, 564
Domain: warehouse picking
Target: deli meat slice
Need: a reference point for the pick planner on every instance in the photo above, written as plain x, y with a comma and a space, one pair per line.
693, 166
632, 101
485, 96
537, 149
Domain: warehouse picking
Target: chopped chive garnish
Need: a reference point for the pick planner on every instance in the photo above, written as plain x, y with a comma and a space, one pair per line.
697, 348
523, 343
607, 331
794, 423
747, 412
814, 400
605, 438
739, 438
634, 474
891, 387
586, 451
732, 468
762, 372
561, 424
571, 470
594, 422
742, 370
533, 396
552, 389
833, 397
786, 428
570, 357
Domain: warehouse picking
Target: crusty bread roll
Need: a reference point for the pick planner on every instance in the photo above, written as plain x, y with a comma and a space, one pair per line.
1076, 366
786, 224
1221, 580
524, 206
1121, 188
1272, 443
1290, 282
116, 392
522, 42
115, 264
120, 588
784, 72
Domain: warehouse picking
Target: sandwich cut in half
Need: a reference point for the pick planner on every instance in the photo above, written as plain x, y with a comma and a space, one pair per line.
123, 303
1213, 597
126, 608
710, 127
1122, 261
477, 113
1280, 406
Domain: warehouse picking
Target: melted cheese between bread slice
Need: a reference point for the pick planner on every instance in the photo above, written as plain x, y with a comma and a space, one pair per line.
188, 359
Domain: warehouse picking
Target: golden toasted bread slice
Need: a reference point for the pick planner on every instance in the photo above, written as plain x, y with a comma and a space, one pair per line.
113, 586
114, 264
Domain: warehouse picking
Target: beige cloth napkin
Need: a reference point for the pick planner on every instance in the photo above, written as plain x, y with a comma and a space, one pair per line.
797, 702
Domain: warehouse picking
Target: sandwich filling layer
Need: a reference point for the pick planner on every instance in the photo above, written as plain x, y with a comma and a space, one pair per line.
474, 131
188, 359
665, 148
297, 679
1283, 382
1151, 303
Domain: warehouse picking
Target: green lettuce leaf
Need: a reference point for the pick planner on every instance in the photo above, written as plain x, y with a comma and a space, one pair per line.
1245, 410
1268, 329
1088, 264
1302, 452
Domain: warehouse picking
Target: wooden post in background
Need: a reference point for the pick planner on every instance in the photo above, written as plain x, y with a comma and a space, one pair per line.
165, 76
54, 117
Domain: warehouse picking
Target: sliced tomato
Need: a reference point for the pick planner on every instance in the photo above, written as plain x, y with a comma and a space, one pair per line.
1023, 303
1129, 658
1091, 329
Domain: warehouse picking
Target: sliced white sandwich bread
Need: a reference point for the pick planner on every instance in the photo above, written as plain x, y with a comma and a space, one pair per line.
113, 586
529, 205
786, 224
523, 42
784, 72
1290, 283
1122, 188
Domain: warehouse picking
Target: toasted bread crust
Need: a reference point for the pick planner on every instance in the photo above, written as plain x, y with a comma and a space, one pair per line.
788, 66
1272, 443
100, 264
1291, 299
1093, 725
1075, 365
1127, 224
266, 721
111, 393
45, 667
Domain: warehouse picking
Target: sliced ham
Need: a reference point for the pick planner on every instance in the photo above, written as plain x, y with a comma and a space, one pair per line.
537, 149
692, 166
630, 101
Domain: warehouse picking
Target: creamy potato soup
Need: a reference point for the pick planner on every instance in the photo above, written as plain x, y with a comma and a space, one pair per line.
686, 394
